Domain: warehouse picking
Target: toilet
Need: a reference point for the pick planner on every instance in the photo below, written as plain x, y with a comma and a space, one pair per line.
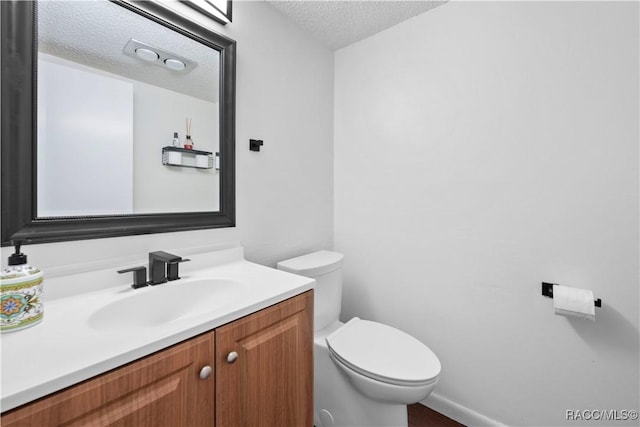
365, 373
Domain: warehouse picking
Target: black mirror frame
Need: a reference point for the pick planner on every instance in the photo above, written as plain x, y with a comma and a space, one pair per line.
19, 144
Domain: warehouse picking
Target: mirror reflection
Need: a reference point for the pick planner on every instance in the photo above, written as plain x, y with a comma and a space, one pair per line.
110, 98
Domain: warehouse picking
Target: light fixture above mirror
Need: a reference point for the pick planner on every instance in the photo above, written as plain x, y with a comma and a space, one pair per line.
218, 10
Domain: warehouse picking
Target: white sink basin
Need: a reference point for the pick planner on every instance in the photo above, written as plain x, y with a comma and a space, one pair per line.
155, 306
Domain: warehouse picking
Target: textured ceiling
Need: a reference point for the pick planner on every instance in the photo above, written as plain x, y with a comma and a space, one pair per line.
77, 31
339, 23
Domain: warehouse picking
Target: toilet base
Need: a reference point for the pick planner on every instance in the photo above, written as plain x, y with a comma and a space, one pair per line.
338, 404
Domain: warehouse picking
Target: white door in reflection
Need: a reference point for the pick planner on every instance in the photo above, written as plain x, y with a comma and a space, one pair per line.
85, 129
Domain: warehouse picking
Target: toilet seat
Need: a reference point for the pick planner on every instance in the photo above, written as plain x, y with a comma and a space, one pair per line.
383, 353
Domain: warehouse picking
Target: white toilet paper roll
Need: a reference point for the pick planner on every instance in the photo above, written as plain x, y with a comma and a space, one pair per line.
568, 301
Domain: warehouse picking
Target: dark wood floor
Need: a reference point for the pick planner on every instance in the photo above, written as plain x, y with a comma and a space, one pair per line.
421, 416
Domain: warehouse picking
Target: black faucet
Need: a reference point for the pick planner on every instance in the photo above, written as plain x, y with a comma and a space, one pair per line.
139, 276
163, 267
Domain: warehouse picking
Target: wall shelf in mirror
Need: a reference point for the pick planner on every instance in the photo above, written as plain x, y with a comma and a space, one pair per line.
189, 158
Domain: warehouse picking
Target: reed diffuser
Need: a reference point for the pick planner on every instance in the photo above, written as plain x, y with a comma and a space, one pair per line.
188, 142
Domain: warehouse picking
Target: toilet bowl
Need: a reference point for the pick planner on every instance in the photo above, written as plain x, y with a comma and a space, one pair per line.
382, 362
365, 373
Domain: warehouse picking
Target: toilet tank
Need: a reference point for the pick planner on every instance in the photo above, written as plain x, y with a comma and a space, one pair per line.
326, 268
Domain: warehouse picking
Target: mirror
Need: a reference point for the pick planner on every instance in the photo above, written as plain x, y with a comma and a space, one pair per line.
111, 96
88, 147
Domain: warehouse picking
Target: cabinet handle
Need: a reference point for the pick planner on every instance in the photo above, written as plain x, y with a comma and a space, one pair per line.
205, 372
232, 357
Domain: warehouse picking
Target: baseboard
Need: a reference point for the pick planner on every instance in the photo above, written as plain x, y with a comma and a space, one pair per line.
459, 413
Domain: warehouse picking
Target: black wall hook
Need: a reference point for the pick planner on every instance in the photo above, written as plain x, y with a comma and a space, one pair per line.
547, 291
255, 144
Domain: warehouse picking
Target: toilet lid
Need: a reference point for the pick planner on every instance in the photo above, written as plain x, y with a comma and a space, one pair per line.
313, 264
384, 353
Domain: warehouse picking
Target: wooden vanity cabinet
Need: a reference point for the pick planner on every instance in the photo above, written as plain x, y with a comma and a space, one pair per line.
163, 389
269, 383
264, 367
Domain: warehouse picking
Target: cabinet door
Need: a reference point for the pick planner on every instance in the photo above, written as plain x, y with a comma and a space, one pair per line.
163, 389
270, 383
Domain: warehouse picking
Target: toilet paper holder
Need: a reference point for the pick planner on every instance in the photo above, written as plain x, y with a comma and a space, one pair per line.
547, 291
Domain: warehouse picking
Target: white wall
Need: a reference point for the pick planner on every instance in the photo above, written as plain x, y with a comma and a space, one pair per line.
284, 193
158, 188
285, 97
480, 149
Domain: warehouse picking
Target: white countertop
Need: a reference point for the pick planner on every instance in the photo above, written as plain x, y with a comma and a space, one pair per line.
64, 349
